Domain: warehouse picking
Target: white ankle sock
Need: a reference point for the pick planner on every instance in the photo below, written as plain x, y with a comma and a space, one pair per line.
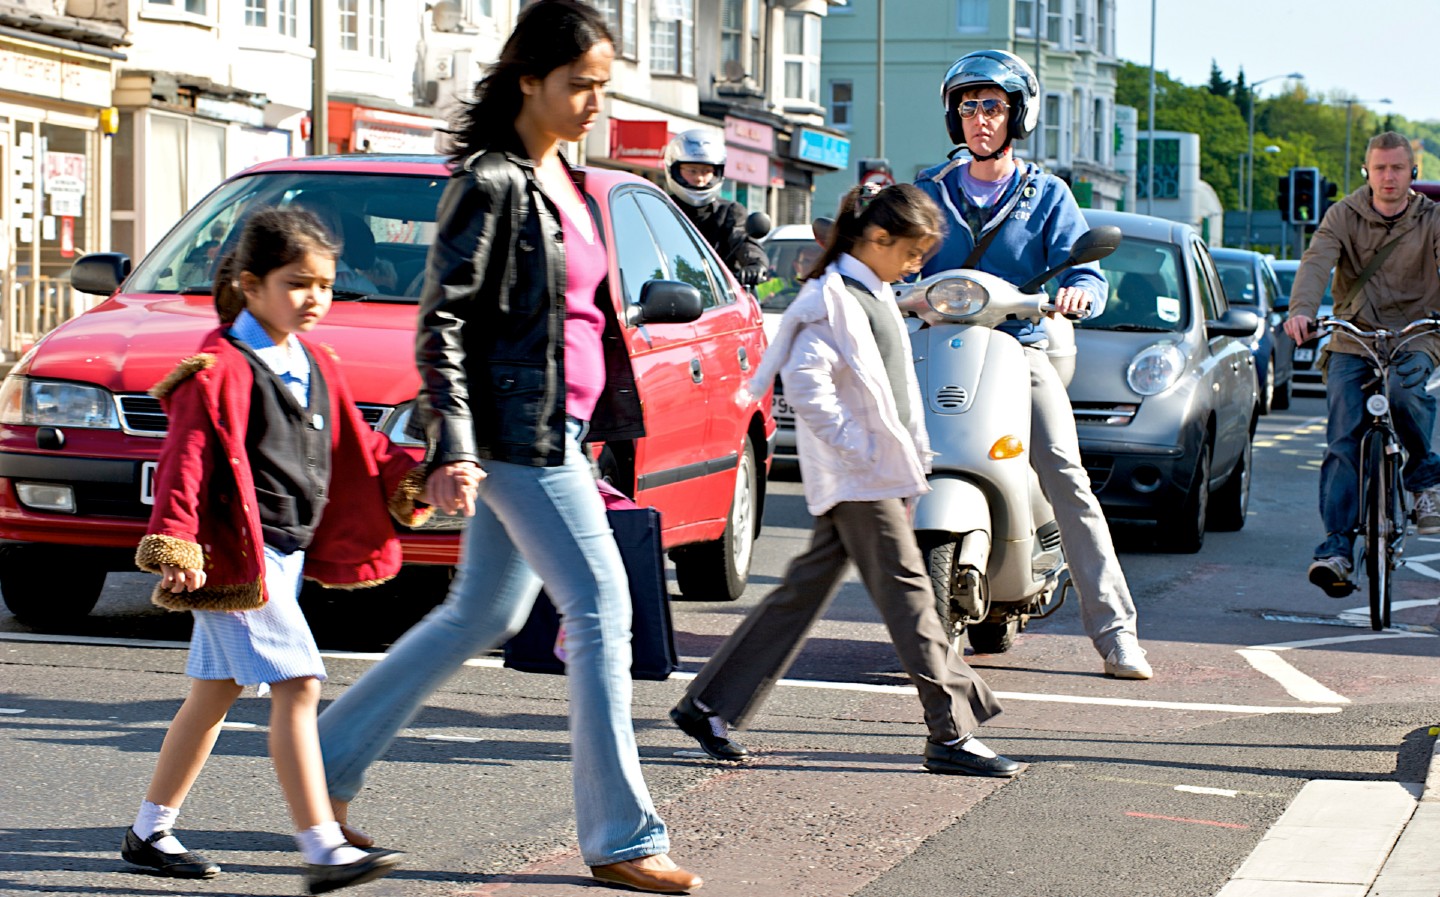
323, 845
972, 745
153, 818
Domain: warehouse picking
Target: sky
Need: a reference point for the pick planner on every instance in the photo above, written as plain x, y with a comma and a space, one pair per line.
1366, 50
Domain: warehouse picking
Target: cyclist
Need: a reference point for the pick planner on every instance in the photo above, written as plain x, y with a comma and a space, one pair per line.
1030, 220
694, 164
1404, 287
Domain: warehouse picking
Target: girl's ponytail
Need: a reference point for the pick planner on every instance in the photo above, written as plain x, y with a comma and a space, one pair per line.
902, 210
229, 300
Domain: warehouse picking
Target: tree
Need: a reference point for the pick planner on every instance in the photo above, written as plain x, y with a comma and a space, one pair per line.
1219, 86
1243, 98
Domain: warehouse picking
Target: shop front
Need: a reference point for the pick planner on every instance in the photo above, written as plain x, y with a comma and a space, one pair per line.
808, 152
55, 111
360, 126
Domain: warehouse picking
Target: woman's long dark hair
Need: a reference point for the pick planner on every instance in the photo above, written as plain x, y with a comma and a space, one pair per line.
547, 35
273, 238
903, 210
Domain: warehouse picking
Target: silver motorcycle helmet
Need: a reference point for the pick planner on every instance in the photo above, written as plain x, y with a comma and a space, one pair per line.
992, 68
694, 146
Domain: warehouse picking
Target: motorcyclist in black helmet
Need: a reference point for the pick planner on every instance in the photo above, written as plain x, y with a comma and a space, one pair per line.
694, 165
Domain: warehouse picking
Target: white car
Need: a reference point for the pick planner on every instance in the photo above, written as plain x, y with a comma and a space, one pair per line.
792, 249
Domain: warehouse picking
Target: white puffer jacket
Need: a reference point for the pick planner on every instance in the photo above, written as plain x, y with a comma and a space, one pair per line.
851, 442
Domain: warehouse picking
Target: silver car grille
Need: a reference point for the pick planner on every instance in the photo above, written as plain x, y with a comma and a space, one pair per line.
1104, 413
142, 415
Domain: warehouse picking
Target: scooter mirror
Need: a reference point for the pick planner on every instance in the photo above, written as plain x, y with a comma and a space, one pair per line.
1095, 244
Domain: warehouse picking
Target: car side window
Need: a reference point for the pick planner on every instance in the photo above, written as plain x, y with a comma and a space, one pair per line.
636, 254
686, 260
1212, 300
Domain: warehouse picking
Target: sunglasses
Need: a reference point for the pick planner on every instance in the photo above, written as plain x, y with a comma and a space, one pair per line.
989, 108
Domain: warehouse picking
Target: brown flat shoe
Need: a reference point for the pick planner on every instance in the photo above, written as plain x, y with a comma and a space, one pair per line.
658, 881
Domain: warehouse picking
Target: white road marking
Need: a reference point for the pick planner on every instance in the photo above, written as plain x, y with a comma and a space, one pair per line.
1339, 640
229, 725
1217, 792
463, 739
1423, 569
1300, 686
496, 663
10, 710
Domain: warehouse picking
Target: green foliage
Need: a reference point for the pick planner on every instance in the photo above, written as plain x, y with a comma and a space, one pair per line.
1306, 130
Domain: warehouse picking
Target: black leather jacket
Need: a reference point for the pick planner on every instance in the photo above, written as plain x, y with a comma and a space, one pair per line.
491, 347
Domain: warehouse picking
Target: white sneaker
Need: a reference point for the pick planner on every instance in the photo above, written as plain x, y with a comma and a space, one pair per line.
1127, 660
1427, 511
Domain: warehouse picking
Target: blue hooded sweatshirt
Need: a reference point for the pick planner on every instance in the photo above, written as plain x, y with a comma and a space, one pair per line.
1040, 220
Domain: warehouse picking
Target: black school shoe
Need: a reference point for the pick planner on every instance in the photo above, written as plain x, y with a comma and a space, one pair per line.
143, 852
954, 760
376, 864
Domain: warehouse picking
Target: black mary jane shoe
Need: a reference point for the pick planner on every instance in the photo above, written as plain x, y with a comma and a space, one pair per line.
143, 852
696, 723
376, 864
954, 760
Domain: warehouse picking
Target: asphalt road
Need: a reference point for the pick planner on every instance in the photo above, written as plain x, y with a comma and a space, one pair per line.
1133, 788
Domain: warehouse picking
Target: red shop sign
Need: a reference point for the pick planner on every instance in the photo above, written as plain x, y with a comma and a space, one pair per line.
638, 142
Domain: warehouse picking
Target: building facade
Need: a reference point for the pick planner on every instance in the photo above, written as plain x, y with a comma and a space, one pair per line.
1069, 43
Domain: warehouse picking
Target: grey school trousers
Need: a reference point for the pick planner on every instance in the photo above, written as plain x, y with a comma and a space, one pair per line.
876, 535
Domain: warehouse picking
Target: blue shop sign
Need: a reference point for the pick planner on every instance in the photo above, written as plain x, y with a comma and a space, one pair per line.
821, 149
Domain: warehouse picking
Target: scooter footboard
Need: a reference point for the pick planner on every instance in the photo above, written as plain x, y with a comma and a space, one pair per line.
952, 505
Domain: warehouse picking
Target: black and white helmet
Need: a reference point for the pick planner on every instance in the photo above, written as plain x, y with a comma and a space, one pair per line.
697, 146
992, 68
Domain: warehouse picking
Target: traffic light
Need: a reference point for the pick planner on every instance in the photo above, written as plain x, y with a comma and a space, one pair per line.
1282, 199
1305, 195
1328, 190
876, 171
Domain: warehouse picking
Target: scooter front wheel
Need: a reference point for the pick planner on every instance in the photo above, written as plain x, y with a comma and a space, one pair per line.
994, 638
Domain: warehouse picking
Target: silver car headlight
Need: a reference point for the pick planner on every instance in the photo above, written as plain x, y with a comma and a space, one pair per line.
397, 425
30, 402
1155, 369
957, 297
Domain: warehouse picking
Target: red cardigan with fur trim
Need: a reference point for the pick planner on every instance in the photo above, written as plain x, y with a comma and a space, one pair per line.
205, 512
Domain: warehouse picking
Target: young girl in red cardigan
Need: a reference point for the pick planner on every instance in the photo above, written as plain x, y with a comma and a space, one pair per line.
261, 424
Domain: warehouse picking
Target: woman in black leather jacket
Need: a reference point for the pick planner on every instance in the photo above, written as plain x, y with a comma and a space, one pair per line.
520, 353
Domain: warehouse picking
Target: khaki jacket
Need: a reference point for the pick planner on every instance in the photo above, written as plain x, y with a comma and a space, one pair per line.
1404, 289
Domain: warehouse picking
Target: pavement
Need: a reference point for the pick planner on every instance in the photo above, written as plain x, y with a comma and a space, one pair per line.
1350, 839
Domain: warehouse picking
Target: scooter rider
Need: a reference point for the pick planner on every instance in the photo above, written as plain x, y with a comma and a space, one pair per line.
694, 164
1027, 220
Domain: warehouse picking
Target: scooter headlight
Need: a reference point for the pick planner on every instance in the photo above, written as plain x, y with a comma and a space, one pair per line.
957, 297
1155, 369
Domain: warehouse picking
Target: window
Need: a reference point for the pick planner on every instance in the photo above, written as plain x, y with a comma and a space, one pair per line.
620, 16
672, 38
683, 256
802, 57
1077, 123
194, 7
1080, 21
755, 55
255, 13
974, 15
350, 24
1051, 124
377, 28
1104, 27
1212, 300
1100, 133
277, 14
842, 97
732, 37
1025, 17
1054, 22
480, 9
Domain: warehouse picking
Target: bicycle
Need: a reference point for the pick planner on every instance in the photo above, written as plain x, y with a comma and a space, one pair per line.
1384, 514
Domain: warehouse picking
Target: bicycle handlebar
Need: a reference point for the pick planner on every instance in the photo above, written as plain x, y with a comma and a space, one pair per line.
1366, 338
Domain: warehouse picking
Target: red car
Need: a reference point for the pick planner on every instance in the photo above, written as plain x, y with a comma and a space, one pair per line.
79, 435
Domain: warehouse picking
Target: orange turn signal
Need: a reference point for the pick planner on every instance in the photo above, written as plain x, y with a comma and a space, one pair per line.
1007, 447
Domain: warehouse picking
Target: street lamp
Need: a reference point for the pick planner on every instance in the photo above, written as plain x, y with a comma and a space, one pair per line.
1250, 181
1349, 107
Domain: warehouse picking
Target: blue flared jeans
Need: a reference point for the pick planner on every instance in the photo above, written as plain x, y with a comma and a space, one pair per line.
532, 524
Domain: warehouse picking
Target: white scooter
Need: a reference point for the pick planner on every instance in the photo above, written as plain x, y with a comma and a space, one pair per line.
989, 536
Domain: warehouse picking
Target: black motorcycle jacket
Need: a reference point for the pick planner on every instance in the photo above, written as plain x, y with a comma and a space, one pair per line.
490, 346
722, 224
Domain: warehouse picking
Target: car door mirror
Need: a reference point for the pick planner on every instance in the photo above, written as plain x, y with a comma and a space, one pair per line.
100, 273
757, 225
1238, 322
665, 302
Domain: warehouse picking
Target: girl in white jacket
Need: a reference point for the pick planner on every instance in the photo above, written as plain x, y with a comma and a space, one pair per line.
844, 355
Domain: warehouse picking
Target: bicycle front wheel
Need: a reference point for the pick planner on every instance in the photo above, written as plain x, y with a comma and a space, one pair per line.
1382, 497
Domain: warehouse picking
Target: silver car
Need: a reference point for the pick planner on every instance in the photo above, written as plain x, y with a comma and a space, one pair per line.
1165, 390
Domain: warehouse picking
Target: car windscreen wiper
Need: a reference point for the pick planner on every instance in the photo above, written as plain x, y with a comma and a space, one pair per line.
1136, 328
349, 295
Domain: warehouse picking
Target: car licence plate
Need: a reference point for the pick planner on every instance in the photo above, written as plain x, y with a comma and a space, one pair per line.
780, 409
1304, 354
147, 482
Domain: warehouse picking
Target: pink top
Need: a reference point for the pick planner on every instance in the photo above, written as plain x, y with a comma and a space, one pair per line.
585, 267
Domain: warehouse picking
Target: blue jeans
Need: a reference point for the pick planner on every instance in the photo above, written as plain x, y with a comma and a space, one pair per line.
1414, 413
531, 524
